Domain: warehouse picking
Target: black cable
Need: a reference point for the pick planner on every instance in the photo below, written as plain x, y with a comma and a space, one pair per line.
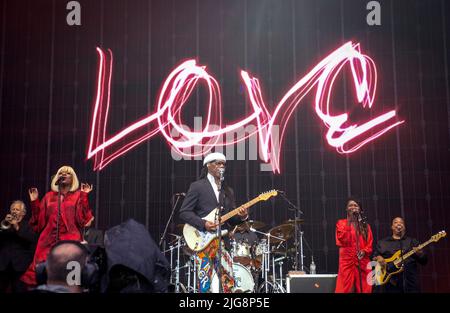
58, 214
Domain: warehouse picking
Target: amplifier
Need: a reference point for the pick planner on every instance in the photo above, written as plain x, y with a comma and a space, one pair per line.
303, 283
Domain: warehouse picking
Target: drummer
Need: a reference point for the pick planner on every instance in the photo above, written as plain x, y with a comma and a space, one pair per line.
242, 233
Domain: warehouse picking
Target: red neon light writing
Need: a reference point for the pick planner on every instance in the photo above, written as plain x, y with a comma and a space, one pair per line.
182, 80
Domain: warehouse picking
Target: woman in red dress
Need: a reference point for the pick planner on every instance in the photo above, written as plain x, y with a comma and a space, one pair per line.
354, 239
75, 214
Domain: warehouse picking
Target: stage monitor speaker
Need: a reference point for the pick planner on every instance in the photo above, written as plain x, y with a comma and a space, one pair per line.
303, 283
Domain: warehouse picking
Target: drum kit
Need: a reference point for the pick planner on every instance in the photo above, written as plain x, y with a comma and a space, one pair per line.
258, 261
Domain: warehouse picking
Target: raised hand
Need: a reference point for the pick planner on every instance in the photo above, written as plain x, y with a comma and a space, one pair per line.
243, 213
417, 251
86, 187
34, 193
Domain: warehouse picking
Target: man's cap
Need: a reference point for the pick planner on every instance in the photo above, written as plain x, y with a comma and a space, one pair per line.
214, 157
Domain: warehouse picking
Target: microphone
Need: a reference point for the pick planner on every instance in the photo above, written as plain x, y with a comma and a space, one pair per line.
59, 180
361, 218
222, 173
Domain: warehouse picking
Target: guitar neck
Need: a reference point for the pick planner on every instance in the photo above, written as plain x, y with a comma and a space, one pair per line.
230, 214
420, 247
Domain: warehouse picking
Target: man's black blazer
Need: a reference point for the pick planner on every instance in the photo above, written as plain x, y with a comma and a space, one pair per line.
17, 247
200, 200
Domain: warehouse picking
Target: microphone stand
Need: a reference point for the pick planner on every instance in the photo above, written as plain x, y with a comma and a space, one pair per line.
403, 264
170, 218
297, 228
58, 214
360, 220
219, 230
266, 258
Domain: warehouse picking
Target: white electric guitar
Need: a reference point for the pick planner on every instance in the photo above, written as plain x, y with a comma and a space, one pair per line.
198, 240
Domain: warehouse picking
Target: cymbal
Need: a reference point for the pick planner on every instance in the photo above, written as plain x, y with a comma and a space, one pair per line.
283, 231
297, 221
246, 225
183, 246
173, 237
256, 224
241, 227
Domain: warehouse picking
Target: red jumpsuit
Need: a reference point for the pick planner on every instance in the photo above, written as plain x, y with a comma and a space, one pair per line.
75, 213
348, 275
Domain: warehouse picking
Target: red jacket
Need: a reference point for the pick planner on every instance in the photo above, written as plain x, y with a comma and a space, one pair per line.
75, 213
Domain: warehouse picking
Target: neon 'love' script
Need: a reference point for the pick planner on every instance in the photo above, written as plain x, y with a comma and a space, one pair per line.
344, 135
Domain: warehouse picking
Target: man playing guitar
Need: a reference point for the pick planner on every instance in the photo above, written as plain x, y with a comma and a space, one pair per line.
406, 281
203, 196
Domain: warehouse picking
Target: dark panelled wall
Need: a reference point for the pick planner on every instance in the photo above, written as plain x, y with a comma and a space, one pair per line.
47, 86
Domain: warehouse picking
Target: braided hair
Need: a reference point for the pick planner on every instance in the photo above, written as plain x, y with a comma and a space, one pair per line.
225, 187
363, 225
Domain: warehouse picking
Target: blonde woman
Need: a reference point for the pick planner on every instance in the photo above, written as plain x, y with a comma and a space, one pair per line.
75, 214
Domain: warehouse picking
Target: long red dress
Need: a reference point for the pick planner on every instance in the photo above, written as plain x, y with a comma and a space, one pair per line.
75, 213
348, 275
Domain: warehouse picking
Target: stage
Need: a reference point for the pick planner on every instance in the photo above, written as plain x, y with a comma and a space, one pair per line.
311, 102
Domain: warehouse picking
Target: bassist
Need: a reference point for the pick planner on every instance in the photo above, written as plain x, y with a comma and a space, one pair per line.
408, 280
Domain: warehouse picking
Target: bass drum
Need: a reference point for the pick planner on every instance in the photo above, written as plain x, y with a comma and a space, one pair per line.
243, 280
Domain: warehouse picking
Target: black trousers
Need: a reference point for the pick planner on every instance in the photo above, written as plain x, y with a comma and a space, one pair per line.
10, 281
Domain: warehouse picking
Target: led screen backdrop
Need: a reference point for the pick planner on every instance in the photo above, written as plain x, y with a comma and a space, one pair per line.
49, 81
